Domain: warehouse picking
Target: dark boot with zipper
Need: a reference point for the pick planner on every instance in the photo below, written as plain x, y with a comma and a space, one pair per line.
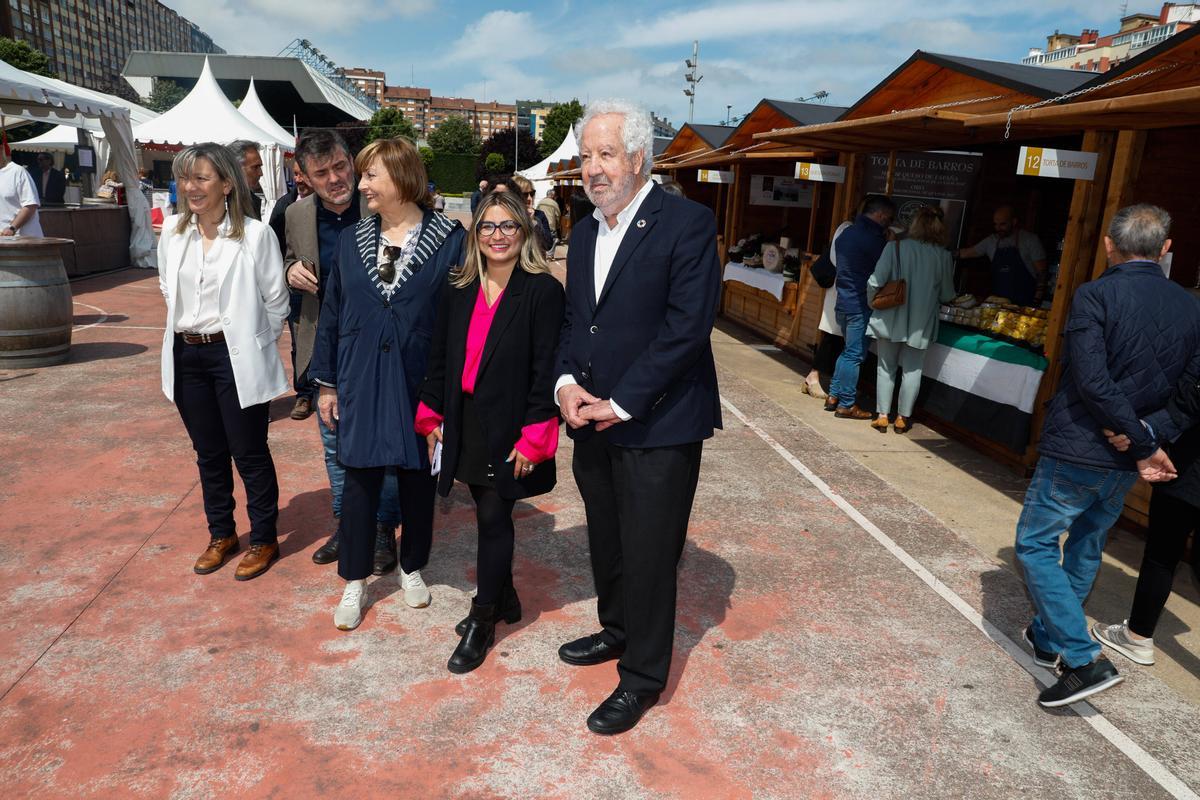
479, 636
385, 549
509, 608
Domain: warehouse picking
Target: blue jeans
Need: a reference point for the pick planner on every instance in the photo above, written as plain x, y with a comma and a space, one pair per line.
844, 385
389, 496
1084, 502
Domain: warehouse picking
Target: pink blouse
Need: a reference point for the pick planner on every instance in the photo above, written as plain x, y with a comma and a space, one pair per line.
539, 440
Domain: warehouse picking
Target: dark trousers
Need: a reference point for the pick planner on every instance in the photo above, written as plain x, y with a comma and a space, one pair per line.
221, 430
637, 503
493, 563
1171, 522
300, 382
360, 507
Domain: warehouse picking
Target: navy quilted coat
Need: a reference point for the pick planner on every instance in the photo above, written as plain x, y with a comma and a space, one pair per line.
1130, 336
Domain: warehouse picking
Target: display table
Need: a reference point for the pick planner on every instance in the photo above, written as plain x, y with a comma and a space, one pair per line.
983, 385
770, 282
99, 234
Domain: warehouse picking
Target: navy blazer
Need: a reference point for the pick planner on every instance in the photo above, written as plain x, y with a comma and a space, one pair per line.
374, 350
515, 383
645, 343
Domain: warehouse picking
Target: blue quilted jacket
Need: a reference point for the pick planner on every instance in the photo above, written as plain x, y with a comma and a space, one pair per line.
1131, 334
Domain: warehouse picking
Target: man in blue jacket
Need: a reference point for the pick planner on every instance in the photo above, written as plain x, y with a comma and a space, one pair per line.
1130, 335
858, 250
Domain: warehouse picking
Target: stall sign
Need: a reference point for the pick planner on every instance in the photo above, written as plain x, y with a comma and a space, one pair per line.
714, 176
780, 190
936, 175
826, 173
1043, 162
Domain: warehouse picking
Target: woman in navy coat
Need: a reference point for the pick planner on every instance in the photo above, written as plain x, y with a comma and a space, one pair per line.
371, 353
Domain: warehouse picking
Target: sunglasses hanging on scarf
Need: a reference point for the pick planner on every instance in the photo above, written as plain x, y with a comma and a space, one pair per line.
386, 268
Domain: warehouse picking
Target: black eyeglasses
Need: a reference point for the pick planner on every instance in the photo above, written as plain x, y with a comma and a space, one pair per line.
387, 266
508, 228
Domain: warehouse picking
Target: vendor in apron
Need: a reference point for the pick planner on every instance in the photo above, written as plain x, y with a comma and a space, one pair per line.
1018, 260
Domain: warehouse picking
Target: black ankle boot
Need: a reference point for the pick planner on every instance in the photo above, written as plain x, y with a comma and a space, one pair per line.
509, 609
385, 549
479, 636
328, 552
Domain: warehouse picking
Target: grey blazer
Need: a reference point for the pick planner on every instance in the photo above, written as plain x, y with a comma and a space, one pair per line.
300, 235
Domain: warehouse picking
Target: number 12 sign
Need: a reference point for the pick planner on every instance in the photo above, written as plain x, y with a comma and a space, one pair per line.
1044, 162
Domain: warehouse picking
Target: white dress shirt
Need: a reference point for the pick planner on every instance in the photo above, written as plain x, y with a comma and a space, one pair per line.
608, 242
199, 307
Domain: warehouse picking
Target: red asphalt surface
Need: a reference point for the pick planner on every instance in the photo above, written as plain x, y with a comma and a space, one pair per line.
809, 661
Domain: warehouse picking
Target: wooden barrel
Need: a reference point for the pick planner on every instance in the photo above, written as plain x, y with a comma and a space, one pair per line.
35, 303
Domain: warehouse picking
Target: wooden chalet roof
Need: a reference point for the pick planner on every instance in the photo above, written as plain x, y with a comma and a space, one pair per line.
919, 129
1170, 108
1173, 64
695, 138
930, 79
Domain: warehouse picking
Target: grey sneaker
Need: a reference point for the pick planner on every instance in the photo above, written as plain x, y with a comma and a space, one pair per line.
348, 613
416, 593
1117, 637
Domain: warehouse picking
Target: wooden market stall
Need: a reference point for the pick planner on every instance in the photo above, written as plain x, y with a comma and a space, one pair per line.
1141, 142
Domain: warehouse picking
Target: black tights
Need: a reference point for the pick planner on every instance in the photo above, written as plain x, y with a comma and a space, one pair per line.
1171, 521
494, 563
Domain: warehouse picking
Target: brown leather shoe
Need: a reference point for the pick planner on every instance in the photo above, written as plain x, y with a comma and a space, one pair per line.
901, 425
215, 554
853, 412
880, 423
256, 561
831, 403
303, 408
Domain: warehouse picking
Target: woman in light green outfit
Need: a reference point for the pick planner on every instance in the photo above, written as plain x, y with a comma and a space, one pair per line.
903, 334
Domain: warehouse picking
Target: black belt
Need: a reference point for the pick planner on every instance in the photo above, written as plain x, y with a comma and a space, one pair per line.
203, 338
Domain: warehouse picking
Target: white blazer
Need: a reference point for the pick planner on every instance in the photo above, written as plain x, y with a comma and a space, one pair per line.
253, 298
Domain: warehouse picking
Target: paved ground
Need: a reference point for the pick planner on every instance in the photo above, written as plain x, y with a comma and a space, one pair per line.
835, 639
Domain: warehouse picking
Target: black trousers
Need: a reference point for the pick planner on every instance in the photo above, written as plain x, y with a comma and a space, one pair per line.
360, 506
221, 430
1171, 522
637, 503
493, 561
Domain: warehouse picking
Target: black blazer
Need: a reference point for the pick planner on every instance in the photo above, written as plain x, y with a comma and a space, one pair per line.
56, 186
646, 342
515, 384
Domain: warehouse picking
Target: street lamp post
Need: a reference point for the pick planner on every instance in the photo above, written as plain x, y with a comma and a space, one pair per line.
728, 108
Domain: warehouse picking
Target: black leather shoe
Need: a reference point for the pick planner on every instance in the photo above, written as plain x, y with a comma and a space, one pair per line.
620, 712
589, 650
480, 635
385, 549
509, 610
328, 552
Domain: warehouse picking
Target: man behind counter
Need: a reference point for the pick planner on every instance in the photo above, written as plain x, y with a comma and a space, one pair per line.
1018, 260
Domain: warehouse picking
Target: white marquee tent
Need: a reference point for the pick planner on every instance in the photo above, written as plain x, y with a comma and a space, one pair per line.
40, 99
64, 138
206, 115
567, 149
253, 110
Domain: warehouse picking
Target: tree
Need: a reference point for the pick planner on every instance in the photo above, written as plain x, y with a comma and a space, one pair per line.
164, 95
501, 143
455, 135
558, 122
426, 157
388, 123
22, 56
494, 164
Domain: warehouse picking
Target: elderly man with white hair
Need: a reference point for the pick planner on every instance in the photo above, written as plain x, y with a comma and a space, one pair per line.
638, 389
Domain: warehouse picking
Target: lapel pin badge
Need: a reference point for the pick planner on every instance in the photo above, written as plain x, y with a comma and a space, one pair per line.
641, 223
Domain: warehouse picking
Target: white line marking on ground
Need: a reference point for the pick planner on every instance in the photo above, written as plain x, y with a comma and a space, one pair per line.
125, 327
103, 316
1132, 750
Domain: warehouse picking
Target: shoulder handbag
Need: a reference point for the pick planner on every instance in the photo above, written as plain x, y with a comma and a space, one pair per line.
894, 292
823, 270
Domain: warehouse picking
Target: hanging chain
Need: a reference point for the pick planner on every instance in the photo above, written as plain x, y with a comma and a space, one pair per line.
1080, 93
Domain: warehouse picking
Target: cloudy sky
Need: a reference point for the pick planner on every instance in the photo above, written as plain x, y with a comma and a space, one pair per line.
559, 49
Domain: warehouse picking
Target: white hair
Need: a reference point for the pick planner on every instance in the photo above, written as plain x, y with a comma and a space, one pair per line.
637, 132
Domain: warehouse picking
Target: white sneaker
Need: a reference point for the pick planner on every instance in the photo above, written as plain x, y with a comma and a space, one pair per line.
1117, 637
416, 593
348, 613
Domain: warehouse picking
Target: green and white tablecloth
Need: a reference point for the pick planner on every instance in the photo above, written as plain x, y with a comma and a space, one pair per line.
985, 385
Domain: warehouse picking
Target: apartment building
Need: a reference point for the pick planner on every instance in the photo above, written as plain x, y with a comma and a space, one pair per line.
494, 117
370, 82
88, 43
1091, 52
413, 101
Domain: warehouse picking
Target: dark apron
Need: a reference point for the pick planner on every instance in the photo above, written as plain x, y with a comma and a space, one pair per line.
1010, 277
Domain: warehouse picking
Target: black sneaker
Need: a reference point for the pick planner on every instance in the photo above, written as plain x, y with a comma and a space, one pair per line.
1043, 658
1075, 684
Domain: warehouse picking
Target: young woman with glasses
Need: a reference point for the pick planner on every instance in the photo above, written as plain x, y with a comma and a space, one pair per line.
371, 352
488, 398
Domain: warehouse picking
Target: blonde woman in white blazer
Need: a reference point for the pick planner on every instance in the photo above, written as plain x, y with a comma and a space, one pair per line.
227, 300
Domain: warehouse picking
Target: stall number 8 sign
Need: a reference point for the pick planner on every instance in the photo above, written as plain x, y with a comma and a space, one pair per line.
1043, 162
